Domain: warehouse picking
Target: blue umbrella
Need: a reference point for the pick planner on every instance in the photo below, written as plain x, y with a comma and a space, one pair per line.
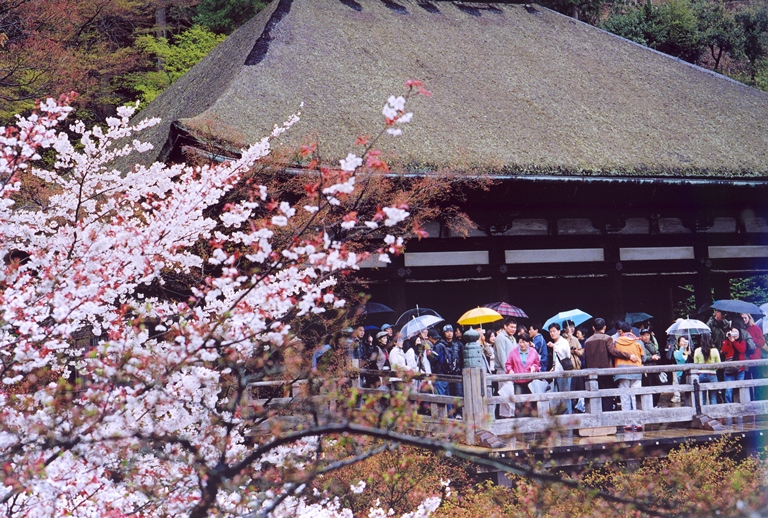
737, 306
576, 316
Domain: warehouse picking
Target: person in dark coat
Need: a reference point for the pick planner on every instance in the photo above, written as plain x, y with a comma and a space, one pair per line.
599, 352
457, 360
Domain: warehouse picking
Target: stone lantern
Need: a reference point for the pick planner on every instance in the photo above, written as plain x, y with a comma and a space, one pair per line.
473, 351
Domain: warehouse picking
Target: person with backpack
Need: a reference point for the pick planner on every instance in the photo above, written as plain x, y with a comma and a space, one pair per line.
456, 363
561, 352
628, 343
440, 362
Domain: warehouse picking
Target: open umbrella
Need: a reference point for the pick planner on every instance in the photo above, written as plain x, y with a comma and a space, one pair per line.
414, 313
705, 311
764, 308
370, 308
763, 323
737, 306
375, 307
633, 318
416, 325
688, 326
507, 310
479, 316
576, 316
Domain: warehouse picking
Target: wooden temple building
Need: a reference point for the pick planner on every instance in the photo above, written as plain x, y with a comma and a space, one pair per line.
623, 174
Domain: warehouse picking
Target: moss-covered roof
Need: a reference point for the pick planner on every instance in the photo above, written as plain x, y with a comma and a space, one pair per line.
514, 88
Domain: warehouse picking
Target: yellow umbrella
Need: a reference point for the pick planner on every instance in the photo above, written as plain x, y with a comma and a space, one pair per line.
479, 316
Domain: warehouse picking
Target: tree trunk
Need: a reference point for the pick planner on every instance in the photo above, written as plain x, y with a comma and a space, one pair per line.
161, 29
161, 23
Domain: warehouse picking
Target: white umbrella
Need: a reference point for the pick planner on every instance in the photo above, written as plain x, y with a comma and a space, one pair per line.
763, 323
418, 324
414, 313
688, 326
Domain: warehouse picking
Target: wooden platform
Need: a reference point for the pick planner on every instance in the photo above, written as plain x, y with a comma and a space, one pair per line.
569, 449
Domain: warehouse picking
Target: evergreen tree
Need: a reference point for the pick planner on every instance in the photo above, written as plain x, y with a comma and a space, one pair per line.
224, 16
754, 22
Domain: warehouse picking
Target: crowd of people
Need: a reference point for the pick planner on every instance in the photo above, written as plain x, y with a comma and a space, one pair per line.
511, 347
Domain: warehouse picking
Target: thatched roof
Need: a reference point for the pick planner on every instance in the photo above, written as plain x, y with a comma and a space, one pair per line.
515, 89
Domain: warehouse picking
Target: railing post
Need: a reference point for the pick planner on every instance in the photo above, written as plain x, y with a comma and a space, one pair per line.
355, 373
474, 404
688, 397
594, 404
646, 401
697, 393
744, 396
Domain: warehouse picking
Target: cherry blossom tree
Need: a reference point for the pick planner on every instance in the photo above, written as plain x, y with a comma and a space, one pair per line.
117, 401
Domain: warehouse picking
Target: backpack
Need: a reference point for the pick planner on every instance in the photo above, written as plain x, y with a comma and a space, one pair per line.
457, 350
751, 346
447, 365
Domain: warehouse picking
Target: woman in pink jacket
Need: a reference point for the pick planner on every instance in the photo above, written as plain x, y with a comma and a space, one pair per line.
523, 359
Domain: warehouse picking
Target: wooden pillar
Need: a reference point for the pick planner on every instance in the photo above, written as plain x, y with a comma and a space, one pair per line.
474, 403
667, 309
498, 266
396, 287
702, 287
722, 286
615, 282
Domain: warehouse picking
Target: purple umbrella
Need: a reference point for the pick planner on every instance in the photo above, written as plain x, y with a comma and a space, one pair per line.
508, 310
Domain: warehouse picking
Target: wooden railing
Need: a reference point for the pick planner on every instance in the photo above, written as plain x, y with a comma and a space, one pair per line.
645, 414
478, 404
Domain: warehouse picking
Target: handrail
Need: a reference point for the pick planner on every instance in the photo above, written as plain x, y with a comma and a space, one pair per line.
477, 401
646, 369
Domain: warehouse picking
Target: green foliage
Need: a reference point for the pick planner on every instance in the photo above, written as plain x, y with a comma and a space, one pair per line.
685, 302
175, 58
689, 29
753, 21
692, 481
635, 25
752, 289
671, 28
224, 16
586, 10
718, 29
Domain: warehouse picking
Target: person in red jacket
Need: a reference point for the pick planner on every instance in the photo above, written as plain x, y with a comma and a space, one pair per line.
733, 349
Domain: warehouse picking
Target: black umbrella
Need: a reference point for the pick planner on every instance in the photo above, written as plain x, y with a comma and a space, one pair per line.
375, 307
633, 318
704, 310
370, 308
737, 306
